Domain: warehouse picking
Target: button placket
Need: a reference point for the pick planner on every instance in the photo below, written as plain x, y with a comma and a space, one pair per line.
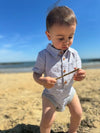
64, 60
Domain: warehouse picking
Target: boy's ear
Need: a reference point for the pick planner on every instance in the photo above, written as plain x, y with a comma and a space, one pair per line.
48, 35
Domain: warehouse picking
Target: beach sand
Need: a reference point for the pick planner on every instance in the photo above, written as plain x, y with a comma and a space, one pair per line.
20, 104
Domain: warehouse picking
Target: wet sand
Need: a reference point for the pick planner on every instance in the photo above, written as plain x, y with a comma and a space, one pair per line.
20, 104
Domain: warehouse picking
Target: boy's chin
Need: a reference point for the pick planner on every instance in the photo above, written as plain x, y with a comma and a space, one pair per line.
65, 48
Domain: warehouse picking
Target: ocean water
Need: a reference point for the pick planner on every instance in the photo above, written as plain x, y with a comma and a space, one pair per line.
91, 63
16, 67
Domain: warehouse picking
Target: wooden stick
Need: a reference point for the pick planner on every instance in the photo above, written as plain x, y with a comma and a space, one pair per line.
67, 73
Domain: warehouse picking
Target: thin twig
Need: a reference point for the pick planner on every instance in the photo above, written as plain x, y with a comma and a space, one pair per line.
67, 74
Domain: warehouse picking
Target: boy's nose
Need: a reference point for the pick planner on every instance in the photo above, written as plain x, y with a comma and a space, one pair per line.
66, 41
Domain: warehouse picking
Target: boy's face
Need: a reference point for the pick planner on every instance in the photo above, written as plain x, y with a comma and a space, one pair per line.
61, 36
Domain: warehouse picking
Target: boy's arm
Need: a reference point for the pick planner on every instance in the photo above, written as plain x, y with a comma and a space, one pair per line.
38, 78
47, 82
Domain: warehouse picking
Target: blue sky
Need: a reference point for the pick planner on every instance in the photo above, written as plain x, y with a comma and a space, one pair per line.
22, 28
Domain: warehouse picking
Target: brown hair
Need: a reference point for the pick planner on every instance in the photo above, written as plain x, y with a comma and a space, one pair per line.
61, 15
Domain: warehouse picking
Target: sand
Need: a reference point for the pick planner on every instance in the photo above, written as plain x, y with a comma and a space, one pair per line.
20, 104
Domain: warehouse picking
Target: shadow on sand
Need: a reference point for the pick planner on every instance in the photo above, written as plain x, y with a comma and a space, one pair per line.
22, 128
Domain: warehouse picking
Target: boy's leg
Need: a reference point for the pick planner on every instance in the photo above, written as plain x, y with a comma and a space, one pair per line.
76, 113
48, 115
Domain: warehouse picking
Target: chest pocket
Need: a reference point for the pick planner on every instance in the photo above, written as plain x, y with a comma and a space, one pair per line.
69, 66
53, 70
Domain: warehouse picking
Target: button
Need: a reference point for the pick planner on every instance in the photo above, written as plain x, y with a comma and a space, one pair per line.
65, 82
61, 52
64, 58
64, 71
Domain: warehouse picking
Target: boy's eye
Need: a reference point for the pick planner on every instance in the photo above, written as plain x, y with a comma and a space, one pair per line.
61, 39
70, 37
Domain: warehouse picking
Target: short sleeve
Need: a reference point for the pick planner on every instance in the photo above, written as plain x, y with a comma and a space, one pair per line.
39, 66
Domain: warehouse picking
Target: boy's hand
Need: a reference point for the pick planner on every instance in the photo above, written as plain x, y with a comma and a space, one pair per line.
48, 82
79, 75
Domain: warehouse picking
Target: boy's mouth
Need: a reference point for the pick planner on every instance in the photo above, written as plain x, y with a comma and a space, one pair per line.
65, 47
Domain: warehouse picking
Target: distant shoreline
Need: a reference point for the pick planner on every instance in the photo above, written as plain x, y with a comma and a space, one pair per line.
23, 62
18, 67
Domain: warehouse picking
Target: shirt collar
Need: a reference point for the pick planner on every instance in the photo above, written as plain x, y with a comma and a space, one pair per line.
55, 52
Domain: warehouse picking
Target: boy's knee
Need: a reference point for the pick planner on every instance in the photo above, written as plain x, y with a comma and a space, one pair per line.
46, 124
46, 121
78, 114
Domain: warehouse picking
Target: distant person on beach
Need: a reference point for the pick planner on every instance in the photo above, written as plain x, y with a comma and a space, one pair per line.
55, 61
